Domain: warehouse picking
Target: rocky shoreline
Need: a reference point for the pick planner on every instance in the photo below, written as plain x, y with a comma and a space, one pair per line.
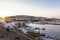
10, 35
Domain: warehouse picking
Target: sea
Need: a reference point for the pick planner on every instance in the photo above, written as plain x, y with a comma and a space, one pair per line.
50, 29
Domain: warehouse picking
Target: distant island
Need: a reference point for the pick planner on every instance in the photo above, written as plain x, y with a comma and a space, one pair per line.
33, 19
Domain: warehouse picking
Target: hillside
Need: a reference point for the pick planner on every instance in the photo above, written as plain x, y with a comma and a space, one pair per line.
10, 35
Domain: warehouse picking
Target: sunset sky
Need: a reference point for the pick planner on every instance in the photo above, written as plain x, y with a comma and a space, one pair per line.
44, 8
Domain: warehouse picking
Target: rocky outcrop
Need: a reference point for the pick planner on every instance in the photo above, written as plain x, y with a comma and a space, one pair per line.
11, 35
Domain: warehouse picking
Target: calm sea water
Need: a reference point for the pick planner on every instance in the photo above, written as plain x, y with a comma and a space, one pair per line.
50, 29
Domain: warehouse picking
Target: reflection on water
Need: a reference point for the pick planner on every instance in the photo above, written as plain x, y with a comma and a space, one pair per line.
50, 29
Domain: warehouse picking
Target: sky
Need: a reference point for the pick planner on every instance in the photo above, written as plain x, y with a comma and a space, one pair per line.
39, 8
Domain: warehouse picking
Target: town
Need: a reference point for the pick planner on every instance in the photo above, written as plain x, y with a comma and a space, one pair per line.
33, 19
19, 25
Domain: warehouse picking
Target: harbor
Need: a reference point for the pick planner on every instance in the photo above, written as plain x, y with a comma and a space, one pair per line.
31, 31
